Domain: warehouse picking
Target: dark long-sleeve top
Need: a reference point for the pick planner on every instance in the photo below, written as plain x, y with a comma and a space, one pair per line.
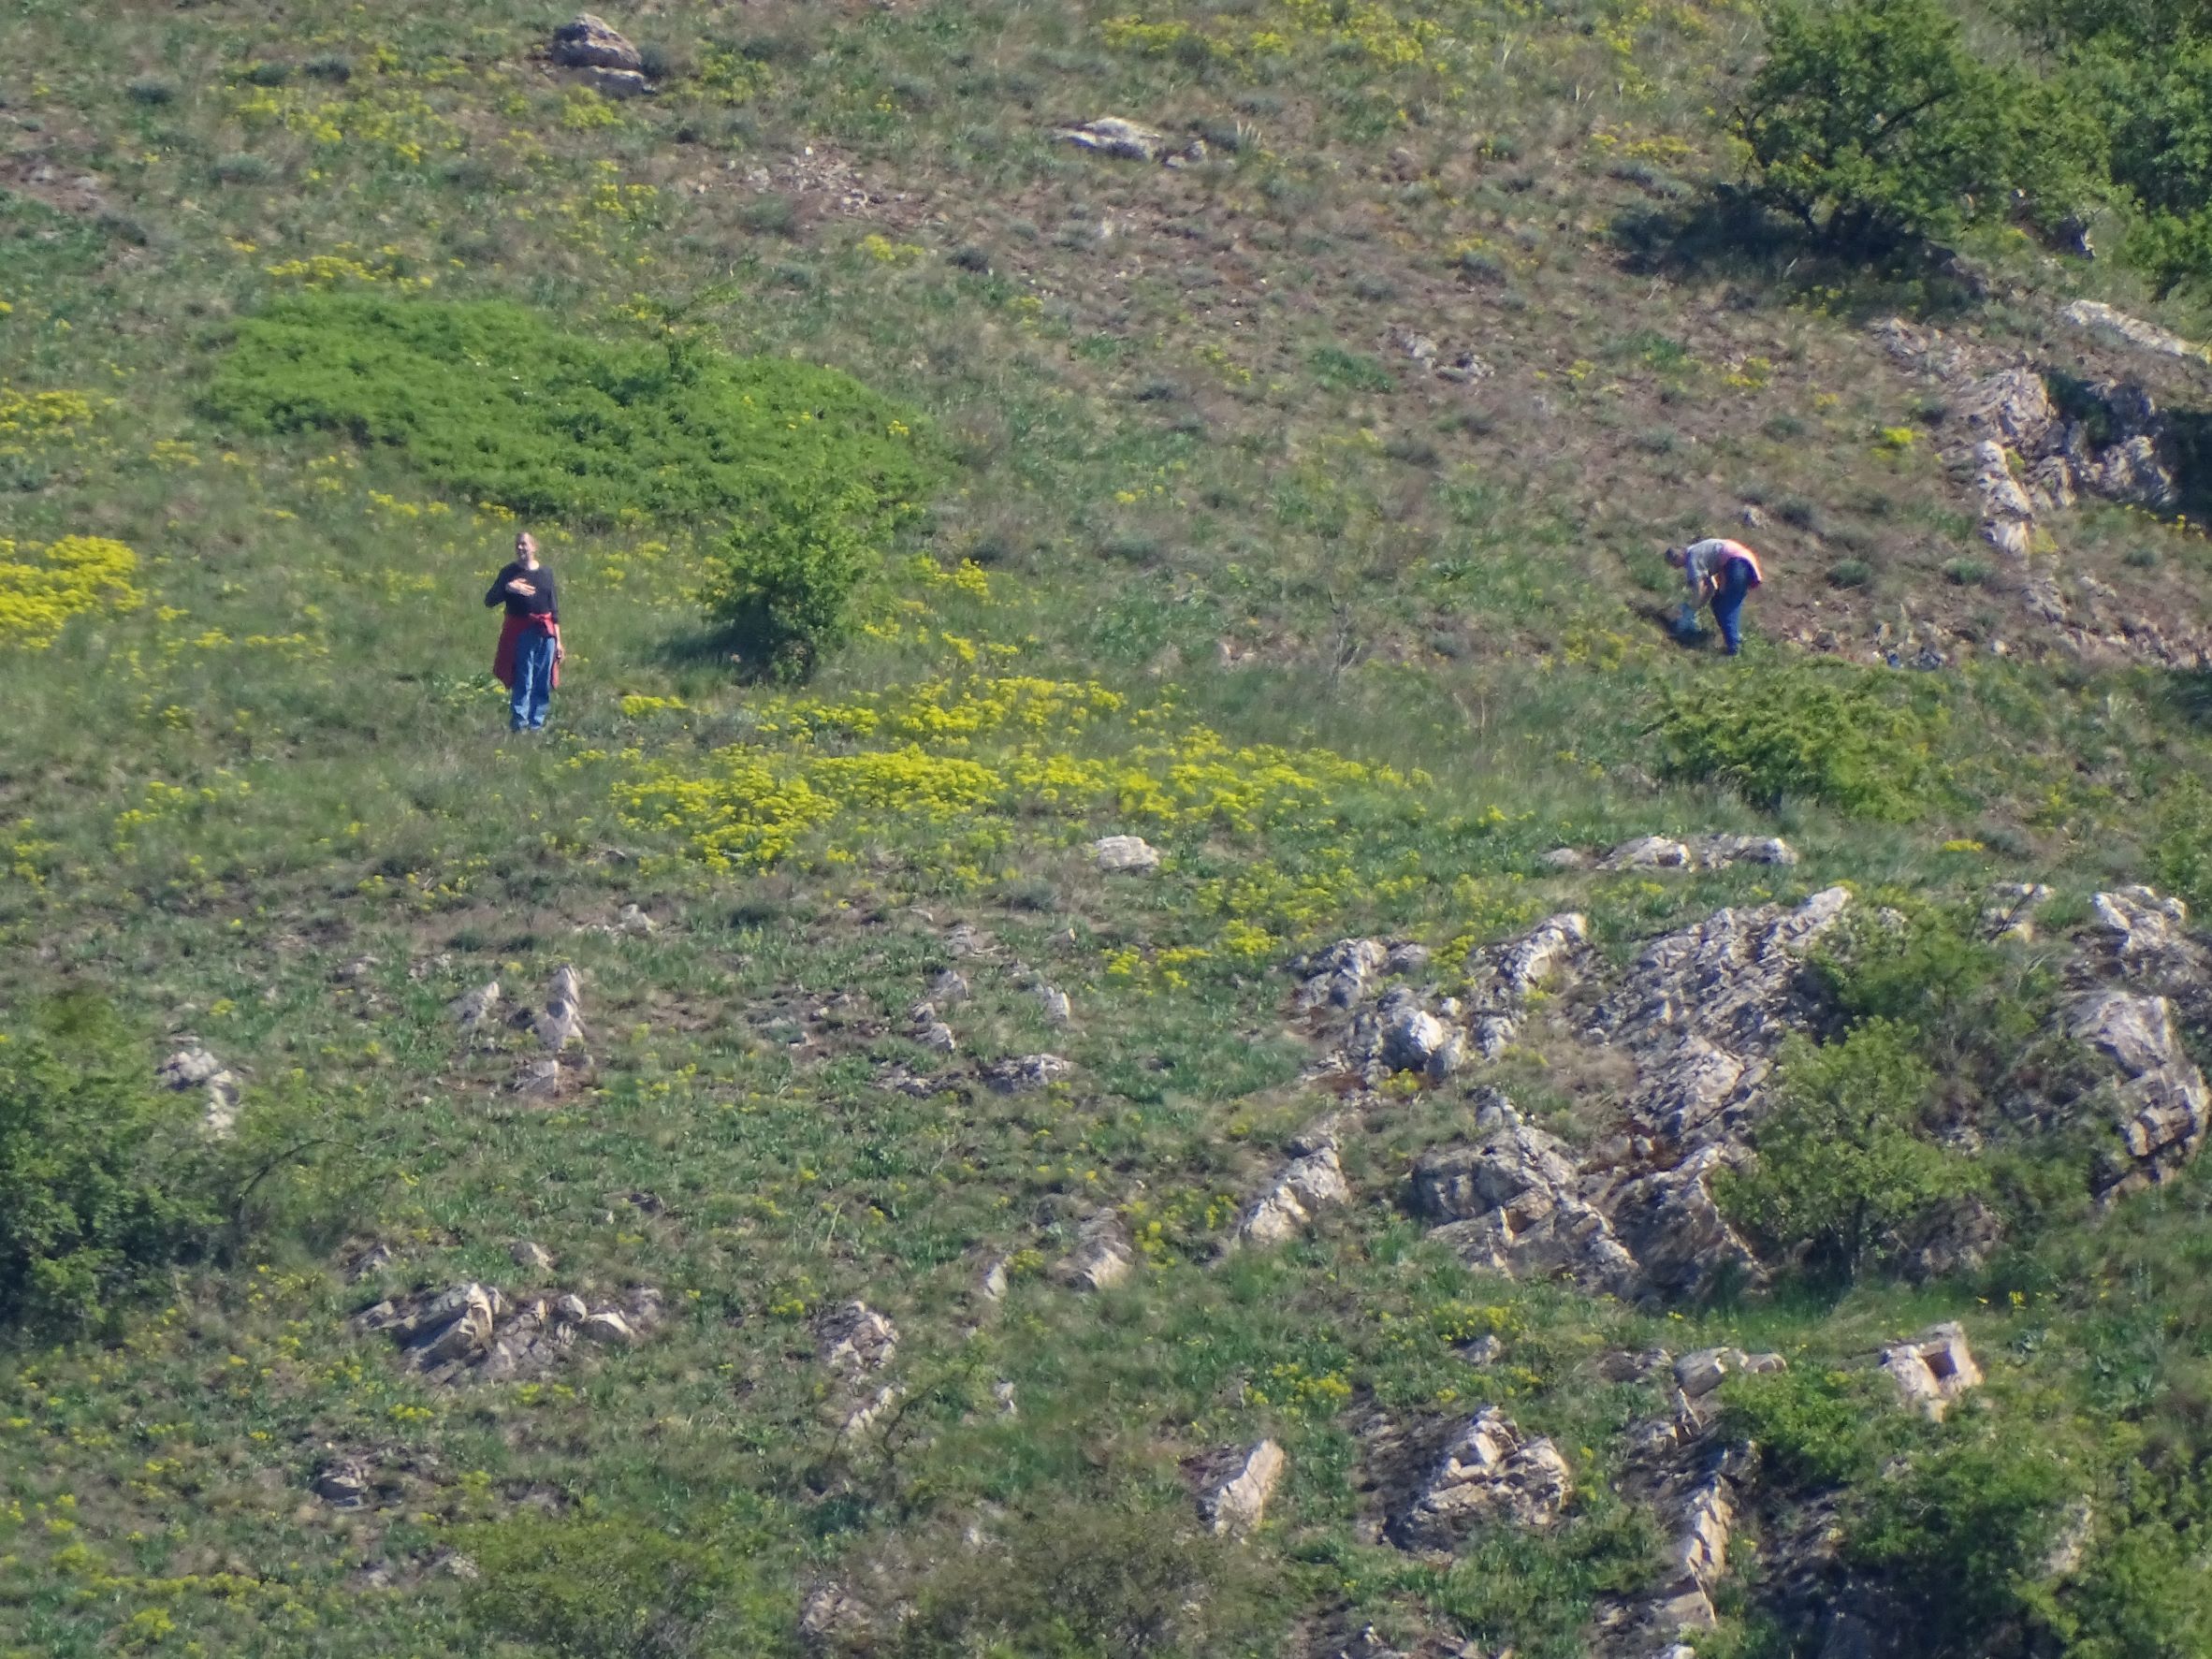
544, 603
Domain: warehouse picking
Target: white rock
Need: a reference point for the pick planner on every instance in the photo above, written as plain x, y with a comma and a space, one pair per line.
472, 1009
590, 42
1490, 1472
1125, 856
1933, 1370
608, 1326
1306, 1186
1102, 1257
534, 1257
1237, 1505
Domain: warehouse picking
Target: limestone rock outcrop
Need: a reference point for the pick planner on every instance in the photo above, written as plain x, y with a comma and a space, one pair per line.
1490, 1472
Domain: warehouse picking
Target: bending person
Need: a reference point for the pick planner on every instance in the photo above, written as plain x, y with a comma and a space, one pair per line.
1723, 572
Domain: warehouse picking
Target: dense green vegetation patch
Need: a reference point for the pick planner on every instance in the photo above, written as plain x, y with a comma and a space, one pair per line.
493, 401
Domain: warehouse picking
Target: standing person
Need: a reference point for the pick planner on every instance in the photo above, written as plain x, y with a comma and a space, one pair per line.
1724, 571
528, 662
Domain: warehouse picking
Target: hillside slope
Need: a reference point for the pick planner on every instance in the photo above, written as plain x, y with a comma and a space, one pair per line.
1261, 1062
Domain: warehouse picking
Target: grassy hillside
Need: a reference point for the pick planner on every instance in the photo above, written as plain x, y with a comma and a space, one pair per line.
1297, 507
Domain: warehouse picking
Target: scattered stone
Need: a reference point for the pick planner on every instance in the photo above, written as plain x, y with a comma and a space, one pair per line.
354, 972
529, 1257
1111, 135
371, 1261
948, 987
635, 922
1565, 858
539, 1078
2009, 911
607, 1325
1026, 1073
1414, 1040
1339, 975
1697, 1374
964, 940
2096, 316
925, 1029
1698, 853
195, 1068
590, 42
854, 1338
1489, 1472
1235, 1507
1102, 1257
1053, 1004
1933, 1370
1002, 1393
343, 1483
561, 1025
1408, 957
1311, 1181
1462, 367
472, 1330
1511, 1205
2164, 1104
1502, 979
1119, 855
616, 83
992, 1285
2112, 442
1669, 1222
473, 1008
2145, 937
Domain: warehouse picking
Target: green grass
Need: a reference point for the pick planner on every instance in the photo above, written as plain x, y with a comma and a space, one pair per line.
1375, 642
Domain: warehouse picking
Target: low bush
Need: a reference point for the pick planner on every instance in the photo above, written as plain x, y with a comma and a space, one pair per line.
1814, 1428
1811, 731
495, 402
785, 579
1843, 1168
1094, 1581
1961, 1534
596, 1587
104, 1182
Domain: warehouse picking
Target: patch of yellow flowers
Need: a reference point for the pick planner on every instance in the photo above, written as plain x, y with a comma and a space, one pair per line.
41, 587
972, 754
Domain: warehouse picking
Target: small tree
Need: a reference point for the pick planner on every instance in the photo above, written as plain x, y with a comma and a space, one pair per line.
1873, 119
102, 1181
1842, 1164
789, 570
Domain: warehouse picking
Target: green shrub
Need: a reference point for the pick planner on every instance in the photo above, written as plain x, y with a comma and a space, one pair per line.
493, 401
1093, 1581
103, 1180
1814, 731
601, 1589
1966, 572
1814, 1428
1962, 1532
2182, 855
1842, 1166
1850, 573
1873, 120
784, 578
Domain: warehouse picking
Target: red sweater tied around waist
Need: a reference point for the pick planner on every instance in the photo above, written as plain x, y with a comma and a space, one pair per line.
502, 662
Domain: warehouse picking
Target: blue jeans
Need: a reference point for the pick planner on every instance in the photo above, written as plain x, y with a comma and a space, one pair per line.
1727, 603
533, 680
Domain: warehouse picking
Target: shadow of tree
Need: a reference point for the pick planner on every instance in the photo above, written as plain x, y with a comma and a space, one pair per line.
1729, 233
